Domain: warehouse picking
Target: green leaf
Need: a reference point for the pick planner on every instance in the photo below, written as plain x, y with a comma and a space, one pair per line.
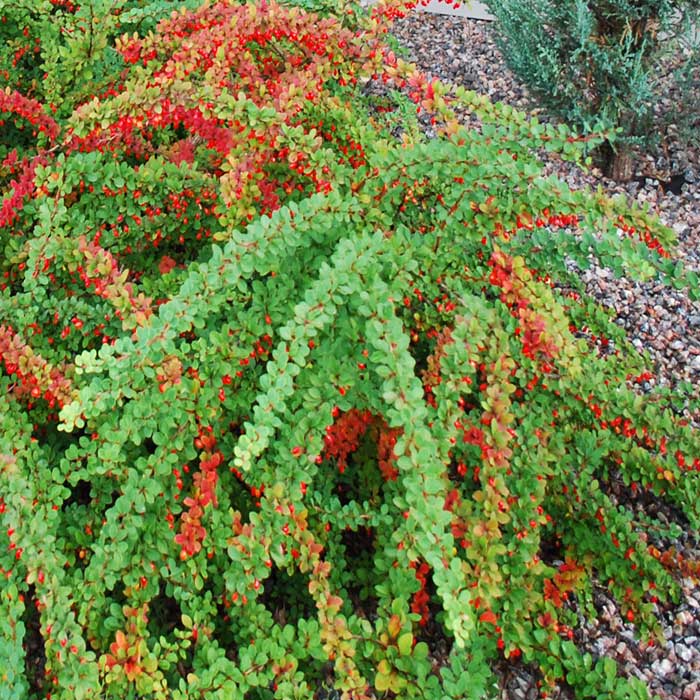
405, 644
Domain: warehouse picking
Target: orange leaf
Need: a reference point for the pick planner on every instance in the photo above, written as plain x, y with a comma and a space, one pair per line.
488, 616
120, 640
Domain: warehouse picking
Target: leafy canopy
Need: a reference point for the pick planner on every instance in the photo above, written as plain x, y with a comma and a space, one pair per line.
296, 396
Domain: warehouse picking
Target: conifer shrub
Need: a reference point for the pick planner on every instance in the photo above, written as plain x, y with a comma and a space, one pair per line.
602, 64
297, 399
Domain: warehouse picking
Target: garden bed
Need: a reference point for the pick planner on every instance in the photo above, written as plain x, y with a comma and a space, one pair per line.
301, 403
659, 320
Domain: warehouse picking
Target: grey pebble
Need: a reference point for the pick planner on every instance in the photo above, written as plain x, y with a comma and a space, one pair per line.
683, 652
662, 667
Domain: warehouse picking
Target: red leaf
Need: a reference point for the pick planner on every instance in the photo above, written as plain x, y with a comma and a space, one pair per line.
488, 616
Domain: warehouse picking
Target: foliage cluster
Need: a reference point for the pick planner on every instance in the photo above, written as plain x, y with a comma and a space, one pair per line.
602, 64
296, 398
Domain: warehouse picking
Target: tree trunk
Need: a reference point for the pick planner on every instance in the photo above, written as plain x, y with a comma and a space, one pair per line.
617, 163
622, 165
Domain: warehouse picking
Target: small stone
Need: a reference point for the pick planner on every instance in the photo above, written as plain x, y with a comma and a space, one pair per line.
662, 667
683, 653
692, 691
694, 320
684, 617
521, 691
602, 645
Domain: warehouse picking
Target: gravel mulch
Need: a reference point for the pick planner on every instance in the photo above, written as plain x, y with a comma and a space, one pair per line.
661, 321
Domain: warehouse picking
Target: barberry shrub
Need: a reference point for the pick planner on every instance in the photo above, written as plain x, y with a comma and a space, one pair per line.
602, 64
296, 398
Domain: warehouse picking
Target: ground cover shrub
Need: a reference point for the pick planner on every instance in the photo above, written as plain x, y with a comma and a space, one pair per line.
296, 401
63, 52
601, 65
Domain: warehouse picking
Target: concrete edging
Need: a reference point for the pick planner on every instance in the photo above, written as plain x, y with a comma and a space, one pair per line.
467, 8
